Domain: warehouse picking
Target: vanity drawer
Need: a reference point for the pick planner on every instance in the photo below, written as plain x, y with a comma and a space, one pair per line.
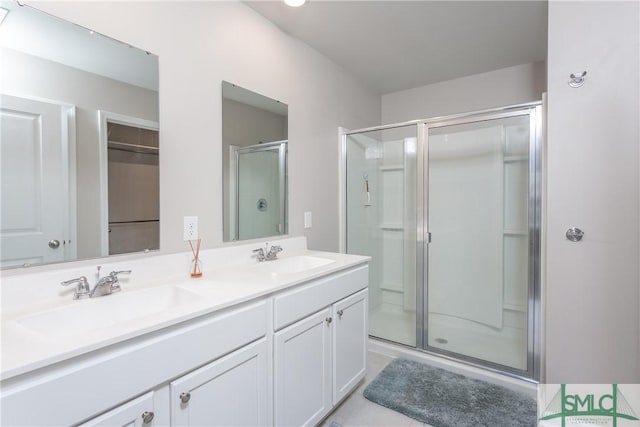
79, 388
301, 301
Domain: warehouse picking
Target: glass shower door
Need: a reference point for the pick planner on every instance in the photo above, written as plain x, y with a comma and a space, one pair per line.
478, 215
259, 191
380, 200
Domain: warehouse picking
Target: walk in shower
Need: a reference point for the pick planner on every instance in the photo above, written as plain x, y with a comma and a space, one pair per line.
449, 211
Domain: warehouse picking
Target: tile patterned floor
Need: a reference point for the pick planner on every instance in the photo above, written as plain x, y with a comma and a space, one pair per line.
356, 411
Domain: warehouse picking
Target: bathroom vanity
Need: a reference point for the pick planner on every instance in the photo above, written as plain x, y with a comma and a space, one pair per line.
273, 343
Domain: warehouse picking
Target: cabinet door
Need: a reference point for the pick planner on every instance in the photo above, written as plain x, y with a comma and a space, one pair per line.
303, 371
231, 391
136, 413
349, 343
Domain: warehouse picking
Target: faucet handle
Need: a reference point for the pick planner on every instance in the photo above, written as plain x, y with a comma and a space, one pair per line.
83, 290
259, 253
273, 252
115, 273
115, 286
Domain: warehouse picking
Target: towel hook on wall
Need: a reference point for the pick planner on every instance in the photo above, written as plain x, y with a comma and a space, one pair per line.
577, 80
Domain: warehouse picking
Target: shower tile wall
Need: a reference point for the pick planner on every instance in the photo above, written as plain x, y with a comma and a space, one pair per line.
378, 226
363, 235
391, 224
502, 340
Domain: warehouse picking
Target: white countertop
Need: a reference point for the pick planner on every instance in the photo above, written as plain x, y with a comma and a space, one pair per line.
24, 349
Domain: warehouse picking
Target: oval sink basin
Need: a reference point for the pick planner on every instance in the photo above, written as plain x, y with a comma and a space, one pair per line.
86, 315
292, 265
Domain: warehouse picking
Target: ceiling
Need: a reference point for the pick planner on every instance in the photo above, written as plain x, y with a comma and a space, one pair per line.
397, 45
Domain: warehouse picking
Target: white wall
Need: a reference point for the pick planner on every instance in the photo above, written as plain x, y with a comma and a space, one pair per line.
244, 125
199, 45
507, 86
30, 76
592, 287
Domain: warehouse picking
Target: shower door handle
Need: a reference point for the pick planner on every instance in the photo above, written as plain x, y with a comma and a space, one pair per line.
427, 237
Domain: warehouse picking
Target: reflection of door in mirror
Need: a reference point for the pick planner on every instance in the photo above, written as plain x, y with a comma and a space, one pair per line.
133, 185
35, 179
258, 189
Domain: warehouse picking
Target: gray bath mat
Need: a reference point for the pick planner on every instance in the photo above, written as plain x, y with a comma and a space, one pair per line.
444, 399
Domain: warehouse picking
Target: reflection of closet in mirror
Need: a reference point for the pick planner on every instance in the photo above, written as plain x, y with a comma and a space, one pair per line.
133, 188
55, 207
258, 199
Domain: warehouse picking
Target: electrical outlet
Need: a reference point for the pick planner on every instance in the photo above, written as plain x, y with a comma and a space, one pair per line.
307, 220
190, 228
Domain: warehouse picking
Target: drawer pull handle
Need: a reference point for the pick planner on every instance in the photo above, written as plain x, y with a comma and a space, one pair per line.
328, 320
147, 417
340, 313
185, 397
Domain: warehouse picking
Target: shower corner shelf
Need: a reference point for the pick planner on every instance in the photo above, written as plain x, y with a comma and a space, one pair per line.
391, 286
397, 227
397, 167
515, 307
517, 158
513, 232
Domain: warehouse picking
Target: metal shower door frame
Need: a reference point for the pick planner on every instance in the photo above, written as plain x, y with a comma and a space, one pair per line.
534, 341
534, 111
281, 148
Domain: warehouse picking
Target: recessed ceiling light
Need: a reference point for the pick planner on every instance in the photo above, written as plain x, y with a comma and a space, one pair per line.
295, 3
3, 14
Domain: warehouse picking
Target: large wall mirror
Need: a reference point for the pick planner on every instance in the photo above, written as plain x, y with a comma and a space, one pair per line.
254, 163
79, 142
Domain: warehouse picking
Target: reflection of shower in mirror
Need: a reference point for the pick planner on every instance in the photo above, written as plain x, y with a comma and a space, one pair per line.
254, 164
258, 175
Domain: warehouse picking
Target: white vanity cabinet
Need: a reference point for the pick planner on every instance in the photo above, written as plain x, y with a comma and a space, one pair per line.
284, 356
320, 358
349, 343
231, 391
303, 371
140, 412
105, 383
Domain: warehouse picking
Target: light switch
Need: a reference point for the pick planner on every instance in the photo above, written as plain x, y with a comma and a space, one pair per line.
307, 220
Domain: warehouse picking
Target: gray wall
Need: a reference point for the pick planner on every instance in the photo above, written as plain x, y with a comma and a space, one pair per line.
200, 44
592, 287
507, 86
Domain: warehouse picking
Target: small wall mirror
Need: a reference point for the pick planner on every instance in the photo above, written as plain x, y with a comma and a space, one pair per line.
254, 164
79, 142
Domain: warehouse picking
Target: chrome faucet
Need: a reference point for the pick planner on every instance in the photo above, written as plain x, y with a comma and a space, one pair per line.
83, 290
259, 254
104, 286
266, 253
273, 253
